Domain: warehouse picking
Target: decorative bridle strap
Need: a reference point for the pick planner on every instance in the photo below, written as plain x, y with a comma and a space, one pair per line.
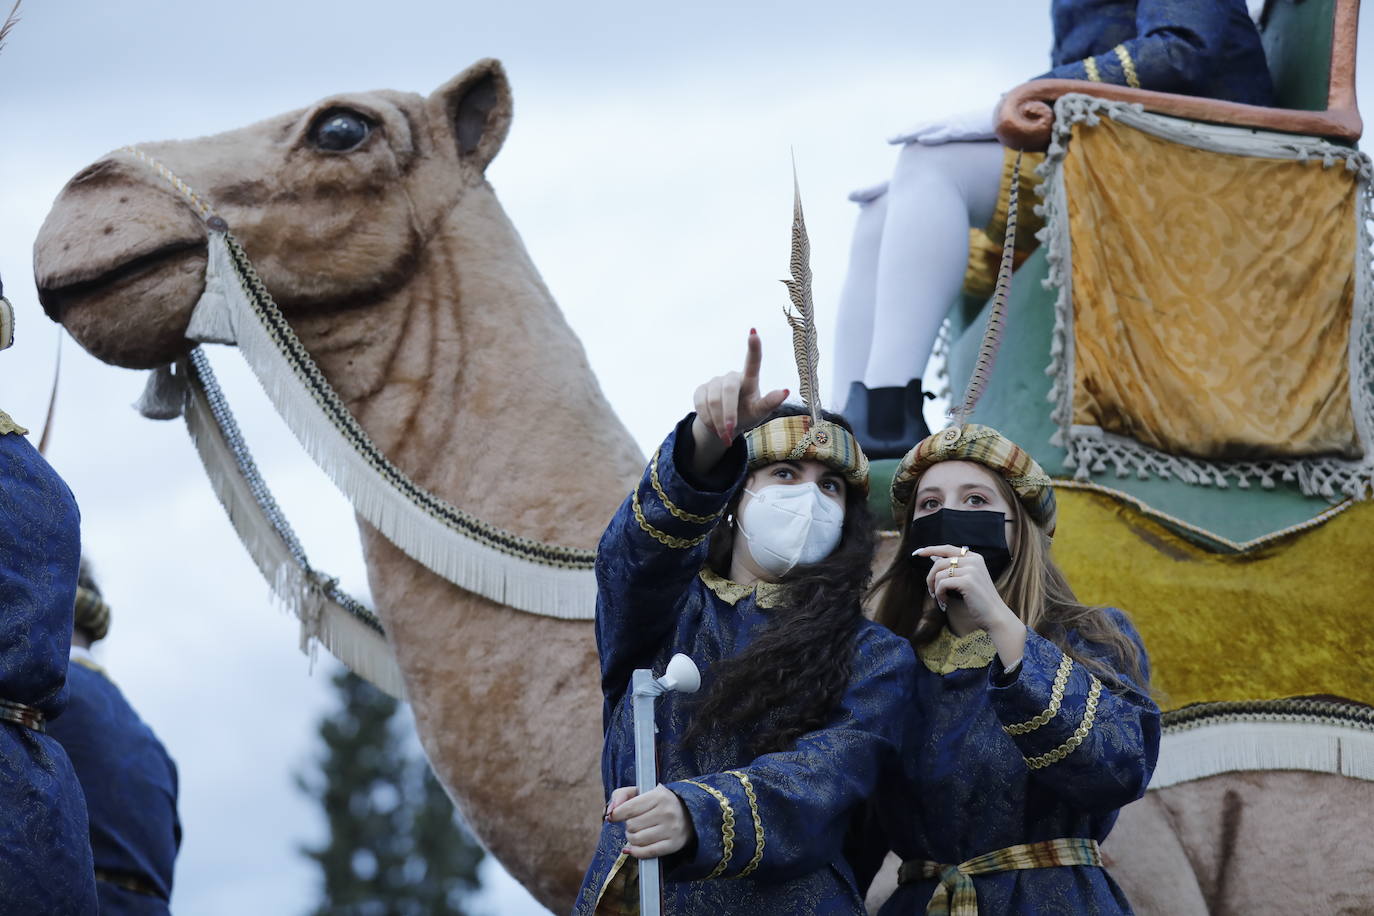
236, 308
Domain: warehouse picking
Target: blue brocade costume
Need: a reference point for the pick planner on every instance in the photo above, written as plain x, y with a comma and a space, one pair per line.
131, 794
774, 824
45, 850
967, 787
1207, 48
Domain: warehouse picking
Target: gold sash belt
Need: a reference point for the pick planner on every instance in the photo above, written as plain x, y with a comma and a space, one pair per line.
956, 896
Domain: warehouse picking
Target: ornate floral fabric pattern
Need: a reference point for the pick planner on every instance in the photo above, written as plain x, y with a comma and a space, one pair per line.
46, 862
1209, 49
969, 787
770, 829
1200, 248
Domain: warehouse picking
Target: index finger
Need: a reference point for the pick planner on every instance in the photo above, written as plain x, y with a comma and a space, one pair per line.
938, 550
753, 360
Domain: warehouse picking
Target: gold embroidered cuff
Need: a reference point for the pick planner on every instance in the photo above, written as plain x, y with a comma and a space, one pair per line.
663, 538
1127, 66
1090, 65
1061, 680
727, 827
673, 510
1068, 747
758, 822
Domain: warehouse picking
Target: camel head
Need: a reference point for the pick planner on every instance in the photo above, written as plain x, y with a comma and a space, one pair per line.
333, 202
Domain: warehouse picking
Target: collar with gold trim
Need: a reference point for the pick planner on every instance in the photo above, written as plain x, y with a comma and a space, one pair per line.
947, 653
766, 594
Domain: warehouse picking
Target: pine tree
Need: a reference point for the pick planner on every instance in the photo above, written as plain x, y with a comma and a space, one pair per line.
395, 845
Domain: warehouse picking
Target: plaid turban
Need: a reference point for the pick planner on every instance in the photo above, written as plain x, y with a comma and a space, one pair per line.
988, 447
92, 614
795, 439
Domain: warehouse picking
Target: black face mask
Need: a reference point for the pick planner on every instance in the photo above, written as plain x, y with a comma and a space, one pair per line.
982, 531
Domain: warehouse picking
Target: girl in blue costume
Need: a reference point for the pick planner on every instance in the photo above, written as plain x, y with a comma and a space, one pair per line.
45, 849
749, 553
1032, 722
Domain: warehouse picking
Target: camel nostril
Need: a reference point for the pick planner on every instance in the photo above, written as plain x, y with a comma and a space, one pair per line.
109, 230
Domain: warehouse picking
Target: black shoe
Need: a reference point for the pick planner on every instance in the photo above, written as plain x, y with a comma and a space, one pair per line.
887, 421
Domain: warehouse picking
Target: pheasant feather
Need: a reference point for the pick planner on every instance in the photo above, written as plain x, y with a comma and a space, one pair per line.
992, 337
10, 22
801, 315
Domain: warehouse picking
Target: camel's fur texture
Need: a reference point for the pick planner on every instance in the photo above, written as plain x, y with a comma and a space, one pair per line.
411, 288
413, 291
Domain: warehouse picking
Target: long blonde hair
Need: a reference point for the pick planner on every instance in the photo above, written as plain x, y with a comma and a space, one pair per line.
1033, 586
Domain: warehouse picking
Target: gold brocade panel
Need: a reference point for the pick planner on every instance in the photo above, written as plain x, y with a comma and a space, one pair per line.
1212, 297
1291, 619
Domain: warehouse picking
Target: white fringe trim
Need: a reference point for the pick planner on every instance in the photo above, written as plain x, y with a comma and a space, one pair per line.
364, 650
1089, 449
225, 310
1230, 747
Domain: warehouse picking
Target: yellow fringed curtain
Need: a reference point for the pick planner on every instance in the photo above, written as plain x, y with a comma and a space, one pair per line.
1212, 297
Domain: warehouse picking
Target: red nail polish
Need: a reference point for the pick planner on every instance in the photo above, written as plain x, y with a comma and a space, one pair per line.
786, 392
752, 331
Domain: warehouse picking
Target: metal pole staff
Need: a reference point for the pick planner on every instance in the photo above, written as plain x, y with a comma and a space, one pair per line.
682, 675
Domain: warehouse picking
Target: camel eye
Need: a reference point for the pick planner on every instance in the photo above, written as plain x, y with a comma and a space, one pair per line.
340, 130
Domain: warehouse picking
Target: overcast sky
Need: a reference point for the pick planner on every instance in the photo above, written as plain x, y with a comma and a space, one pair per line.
648, 171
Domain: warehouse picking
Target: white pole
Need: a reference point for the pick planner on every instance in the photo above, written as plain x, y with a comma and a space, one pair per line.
682, 676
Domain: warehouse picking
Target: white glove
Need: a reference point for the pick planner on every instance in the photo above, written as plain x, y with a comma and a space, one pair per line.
869, 194
959, 128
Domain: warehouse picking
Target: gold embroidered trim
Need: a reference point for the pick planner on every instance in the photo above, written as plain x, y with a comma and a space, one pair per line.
610, 875
1068, 747
1091, 66
758, 822
1061, 679
665, 539
766, 594
727, 827
668, 503
947, 653
8, 426
1128, 66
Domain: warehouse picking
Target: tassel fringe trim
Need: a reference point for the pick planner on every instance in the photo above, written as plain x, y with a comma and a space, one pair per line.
1093, 451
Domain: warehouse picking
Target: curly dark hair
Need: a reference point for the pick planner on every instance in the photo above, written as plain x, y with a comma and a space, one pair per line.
791, 678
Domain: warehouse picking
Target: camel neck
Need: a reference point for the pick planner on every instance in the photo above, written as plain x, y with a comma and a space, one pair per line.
471, 381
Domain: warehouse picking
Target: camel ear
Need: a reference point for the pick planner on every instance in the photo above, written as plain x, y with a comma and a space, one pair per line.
476, 106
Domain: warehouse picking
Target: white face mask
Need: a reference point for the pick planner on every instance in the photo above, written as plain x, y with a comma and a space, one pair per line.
787, 525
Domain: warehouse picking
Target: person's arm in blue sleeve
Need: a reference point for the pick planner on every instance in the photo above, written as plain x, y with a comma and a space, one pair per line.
653, 547
866, 844
1177, 43
1094, 743
786, 813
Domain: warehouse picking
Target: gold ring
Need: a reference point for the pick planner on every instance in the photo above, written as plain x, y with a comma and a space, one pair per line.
954, 563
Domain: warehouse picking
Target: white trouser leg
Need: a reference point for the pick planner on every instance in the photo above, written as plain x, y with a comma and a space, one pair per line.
937, 193
854, 318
